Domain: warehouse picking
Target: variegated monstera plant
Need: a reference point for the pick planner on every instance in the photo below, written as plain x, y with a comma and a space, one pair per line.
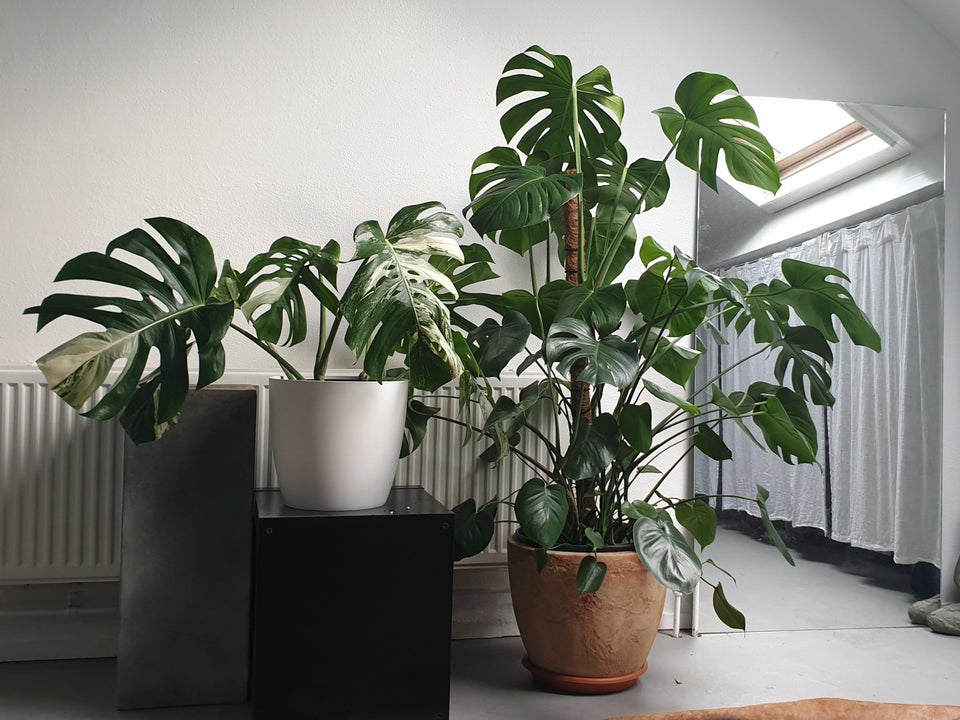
395, 303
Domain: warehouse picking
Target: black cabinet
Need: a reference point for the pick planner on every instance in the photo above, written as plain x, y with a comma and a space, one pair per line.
352, 610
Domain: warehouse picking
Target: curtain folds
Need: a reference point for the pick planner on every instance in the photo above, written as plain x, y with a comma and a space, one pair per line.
878, 484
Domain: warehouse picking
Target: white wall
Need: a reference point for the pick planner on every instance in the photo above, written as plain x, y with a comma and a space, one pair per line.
254, 119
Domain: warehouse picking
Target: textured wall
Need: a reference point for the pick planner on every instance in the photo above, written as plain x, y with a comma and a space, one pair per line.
253, 119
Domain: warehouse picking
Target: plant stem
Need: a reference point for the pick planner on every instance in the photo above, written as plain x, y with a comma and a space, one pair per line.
610, 251
531, 462
325, 348
291, 372
667, 472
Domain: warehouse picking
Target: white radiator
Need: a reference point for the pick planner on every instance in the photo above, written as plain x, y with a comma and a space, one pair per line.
60, 480
61, 475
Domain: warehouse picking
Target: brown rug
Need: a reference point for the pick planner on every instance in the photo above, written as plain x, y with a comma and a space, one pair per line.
817, 709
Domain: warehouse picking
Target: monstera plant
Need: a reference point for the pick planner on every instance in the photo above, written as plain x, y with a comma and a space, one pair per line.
609, 329
169, 299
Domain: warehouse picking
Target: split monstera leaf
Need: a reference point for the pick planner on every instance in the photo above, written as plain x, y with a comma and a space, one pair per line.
395, 303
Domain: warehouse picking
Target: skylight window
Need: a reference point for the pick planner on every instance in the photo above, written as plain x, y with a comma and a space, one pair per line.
817, 145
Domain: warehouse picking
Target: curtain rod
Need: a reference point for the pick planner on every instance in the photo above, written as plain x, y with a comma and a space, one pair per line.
896, 205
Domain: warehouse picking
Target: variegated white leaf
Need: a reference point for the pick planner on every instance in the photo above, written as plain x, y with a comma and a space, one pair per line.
76, 369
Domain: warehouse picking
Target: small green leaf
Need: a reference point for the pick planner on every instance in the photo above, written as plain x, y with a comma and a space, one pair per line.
787, 428
590, 575
725, 572
639, 509
541, 510
540, 557
728, 614
762, 496
710, 444
700, 519
669, 397
415, 425
595, 538
602, 309
500, 343
593, 448
636, 426
472, 528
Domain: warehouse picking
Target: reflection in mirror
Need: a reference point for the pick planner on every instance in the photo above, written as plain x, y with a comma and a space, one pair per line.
863, 192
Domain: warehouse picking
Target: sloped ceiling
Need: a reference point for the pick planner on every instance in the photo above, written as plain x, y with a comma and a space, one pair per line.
942, 15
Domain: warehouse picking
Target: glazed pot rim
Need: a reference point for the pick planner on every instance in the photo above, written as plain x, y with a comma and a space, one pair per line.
569, 548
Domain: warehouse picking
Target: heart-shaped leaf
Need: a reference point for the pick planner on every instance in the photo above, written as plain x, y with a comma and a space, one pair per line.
541, 510
472, 528
593, 448
700, 519
636, 426
590, 574
500, 342
666, 554
787, 426
601, 308
706, 440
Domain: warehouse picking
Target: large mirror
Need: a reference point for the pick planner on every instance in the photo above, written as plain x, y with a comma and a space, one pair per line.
862, 192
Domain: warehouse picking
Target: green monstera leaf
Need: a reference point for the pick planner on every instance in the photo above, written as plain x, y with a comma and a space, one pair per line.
172, 312
705, 124
817, 300
512, 201
611, 360
273, 282
393, 301
556, 113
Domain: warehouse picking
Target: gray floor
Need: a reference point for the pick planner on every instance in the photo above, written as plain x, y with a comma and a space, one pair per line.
488, 683
827, 588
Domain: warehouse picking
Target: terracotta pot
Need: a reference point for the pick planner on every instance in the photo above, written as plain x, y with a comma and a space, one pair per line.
592, 643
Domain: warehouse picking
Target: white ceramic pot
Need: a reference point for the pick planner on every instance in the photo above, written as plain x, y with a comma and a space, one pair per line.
336, 443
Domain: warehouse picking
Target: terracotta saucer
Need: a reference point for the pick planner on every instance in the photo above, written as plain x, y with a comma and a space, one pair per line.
582, 685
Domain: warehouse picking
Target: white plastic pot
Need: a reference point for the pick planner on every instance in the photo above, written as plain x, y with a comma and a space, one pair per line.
336, 443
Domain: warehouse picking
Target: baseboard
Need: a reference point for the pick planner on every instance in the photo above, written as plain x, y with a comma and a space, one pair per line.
68, 635
60, 621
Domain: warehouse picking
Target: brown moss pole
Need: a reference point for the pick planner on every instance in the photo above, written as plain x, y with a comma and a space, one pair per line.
571, 267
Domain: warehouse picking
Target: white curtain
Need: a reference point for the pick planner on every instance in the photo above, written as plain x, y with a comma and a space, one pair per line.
882, 458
